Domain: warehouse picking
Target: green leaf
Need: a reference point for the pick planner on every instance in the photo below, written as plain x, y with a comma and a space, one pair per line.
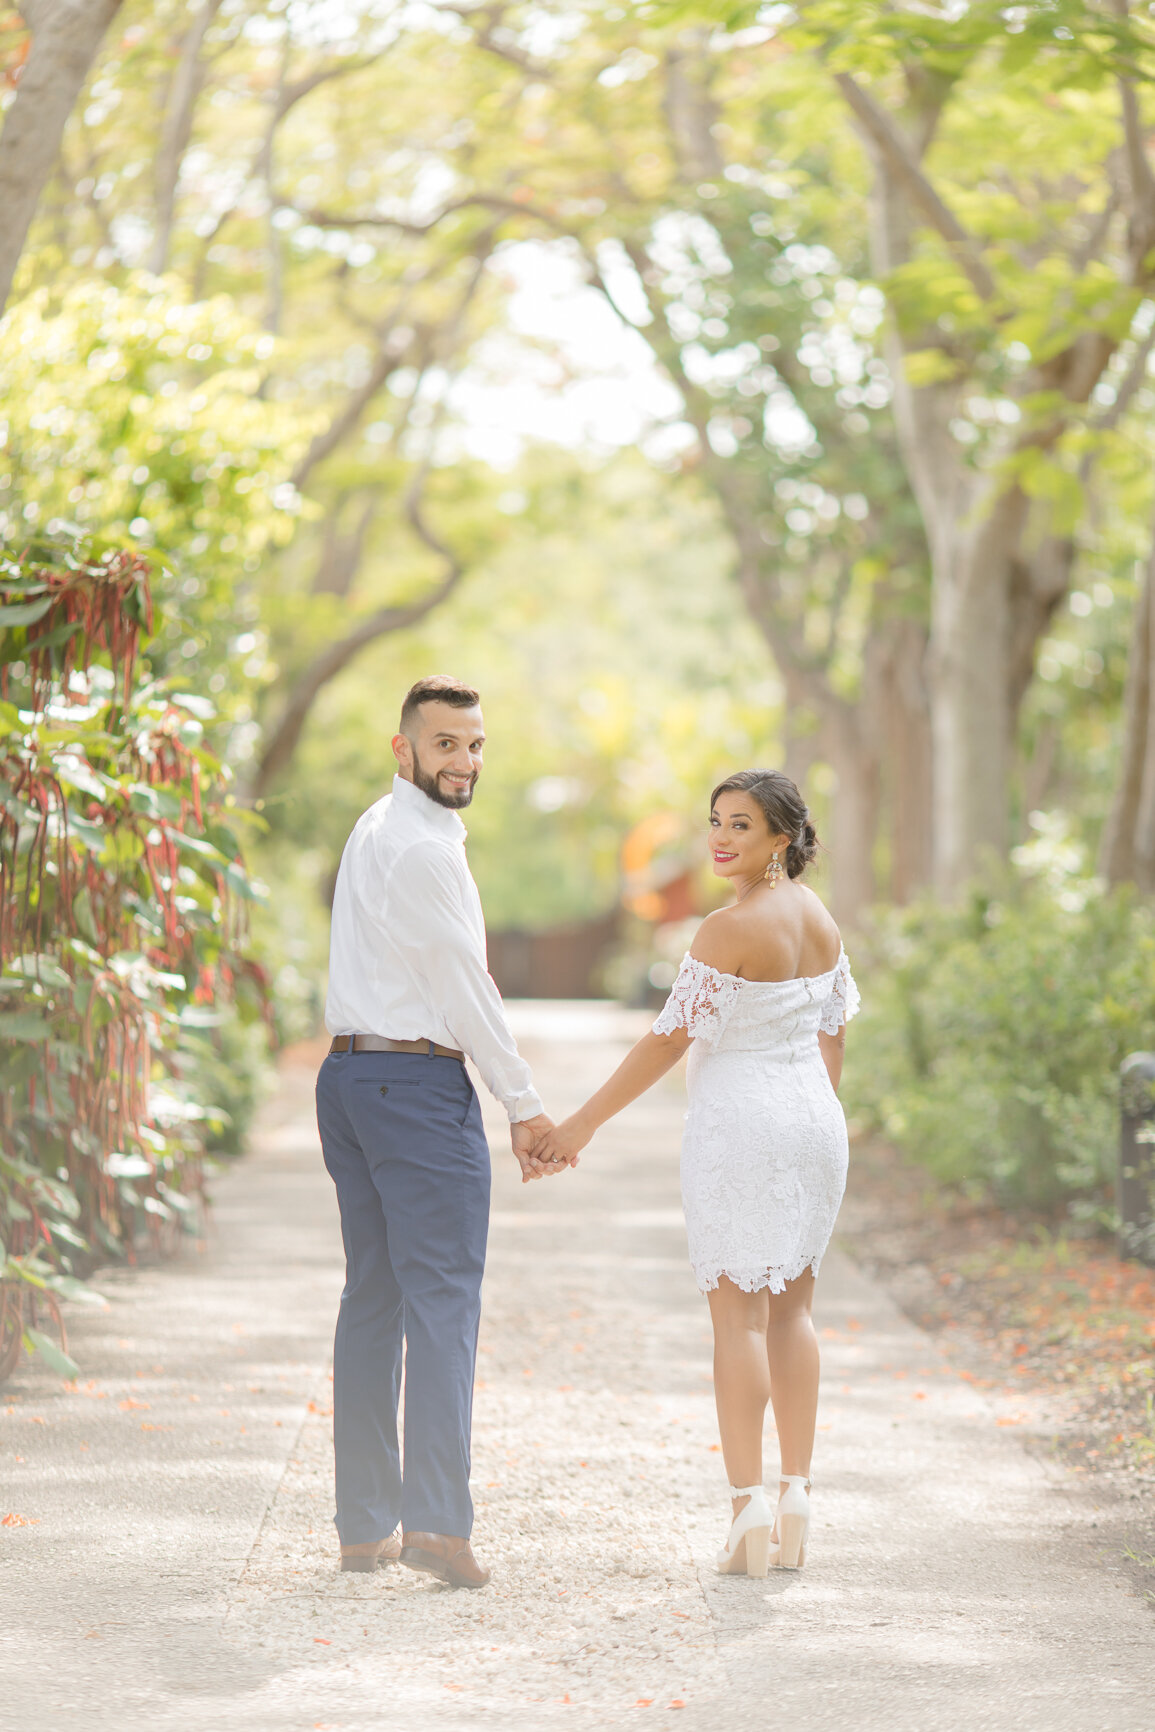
76, 773
24, 612
930, 367
62, 1230
121, 849
15, 1025
122, 1166
157, 802
79, 1292
53, 1357
199, 707
178, 1200
52, 639
89, 834
194, 845
238, 879
37, 966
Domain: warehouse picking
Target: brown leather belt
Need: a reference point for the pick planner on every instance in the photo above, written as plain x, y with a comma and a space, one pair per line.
379, 1043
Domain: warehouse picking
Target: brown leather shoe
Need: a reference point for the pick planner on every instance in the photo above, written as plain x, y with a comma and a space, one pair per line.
445, 1556
372, 1555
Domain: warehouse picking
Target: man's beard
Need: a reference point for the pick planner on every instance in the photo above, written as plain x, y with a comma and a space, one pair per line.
429, 785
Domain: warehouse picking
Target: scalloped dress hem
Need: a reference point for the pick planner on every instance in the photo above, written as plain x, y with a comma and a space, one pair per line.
775, 1278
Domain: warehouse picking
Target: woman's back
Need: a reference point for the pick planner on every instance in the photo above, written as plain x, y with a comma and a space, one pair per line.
779, 932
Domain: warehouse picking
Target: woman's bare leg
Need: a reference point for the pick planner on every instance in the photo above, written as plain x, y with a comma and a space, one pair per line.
792, 1355
741, 1379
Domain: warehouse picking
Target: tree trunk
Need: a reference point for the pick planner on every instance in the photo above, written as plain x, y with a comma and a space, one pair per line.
802, 722
907, 760
972, 716
184, 88
853, 815
997, 576
66, 35
1128, 848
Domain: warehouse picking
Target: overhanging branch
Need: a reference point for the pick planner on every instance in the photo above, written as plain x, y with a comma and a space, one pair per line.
902, 165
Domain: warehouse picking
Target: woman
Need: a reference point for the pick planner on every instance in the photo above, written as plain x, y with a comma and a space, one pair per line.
763, 996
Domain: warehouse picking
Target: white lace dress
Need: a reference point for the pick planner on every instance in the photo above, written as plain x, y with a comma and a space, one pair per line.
764, 1150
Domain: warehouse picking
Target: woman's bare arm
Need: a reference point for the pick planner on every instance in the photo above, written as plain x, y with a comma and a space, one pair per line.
642, 1067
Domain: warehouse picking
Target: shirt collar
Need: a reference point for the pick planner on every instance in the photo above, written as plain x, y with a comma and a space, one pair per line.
426, 811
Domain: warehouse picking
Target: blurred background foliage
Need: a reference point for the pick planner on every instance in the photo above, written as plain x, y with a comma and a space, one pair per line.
711, 384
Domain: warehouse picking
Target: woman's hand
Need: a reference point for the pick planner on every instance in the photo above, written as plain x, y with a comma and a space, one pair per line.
561, 1145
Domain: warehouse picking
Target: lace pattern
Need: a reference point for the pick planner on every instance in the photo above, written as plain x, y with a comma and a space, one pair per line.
754, 1280
700, 1001
764, 1150
844, 1001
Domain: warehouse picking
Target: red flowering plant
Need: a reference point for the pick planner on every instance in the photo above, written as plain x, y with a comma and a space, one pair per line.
122, 893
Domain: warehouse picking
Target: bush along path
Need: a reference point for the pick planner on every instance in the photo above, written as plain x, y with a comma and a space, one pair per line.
122, 939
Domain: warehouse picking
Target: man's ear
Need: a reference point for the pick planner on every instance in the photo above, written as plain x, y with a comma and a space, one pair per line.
402, 751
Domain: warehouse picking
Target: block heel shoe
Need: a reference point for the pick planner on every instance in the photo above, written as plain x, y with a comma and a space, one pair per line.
748, 1549
793, 1522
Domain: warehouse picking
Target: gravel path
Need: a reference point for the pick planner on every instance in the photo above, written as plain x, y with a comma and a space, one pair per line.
176, 1568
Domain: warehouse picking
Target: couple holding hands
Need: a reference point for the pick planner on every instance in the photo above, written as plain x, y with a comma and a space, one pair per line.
760, 1002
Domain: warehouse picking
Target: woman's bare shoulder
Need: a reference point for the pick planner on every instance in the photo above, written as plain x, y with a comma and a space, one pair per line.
718, 941
823, 927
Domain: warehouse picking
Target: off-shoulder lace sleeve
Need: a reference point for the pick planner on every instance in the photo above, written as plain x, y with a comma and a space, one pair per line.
843, 1002
700, 1001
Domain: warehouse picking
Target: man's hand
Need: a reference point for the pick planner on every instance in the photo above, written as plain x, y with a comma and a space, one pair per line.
525, 1136
560, 1146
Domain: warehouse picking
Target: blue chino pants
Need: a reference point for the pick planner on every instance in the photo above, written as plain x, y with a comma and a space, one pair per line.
404, 1145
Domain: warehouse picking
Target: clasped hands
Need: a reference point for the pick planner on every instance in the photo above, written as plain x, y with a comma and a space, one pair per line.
544, 1149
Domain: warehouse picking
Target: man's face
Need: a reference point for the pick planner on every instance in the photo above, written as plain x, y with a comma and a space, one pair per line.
442, 754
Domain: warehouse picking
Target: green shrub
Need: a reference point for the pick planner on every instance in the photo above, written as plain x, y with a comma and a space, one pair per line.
992, 1034
124, 967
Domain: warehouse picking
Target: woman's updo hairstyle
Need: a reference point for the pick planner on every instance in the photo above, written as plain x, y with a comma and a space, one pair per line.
785, 811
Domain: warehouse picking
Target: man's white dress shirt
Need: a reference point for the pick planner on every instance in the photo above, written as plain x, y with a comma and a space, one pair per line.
407, 951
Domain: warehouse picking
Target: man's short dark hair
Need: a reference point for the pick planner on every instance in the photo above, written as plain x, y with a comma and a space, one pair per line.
437, 689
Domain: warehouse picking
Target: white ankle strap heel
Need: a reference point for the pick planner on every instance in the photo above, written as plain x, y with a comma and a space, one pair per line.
747, 1551
793, 1521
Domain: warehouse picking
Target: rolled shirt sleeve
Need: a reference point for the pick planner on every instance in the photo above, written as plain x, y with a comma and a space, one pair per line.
436, 923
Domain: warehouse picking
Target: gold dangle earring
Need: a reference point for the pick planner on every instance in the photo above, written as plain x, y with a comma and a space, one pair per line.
774, 873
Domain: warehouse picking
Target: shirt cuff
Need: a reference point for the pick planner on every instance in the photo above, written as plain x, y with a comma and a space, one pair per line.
526, 1106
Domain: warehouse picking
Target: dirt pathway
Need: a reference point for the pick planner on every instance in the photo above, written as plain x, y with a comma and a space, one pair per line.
177, 1569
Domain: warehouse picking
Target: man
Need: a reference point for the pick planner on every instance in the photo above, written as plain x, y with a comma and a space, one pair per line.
409, 997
